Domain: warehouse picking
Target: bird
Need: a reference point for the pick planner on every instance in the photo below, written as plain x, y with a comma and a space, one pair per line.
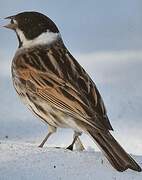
57, 89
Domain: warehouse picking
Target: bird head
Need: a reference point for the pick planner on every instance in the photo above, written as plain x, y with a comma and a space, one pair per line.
33, 28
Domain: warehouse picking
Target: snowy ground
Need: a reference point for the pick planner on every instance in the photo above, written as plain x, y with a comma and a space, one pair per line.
118, 77
26, 161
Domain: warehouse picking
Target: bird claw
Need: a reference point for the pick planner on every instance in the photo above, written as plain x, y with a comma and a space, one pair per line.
70, 148
40, 146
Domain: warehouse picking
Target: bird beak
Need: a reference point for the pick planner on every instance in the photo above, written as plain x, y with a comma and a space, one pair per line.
12, 25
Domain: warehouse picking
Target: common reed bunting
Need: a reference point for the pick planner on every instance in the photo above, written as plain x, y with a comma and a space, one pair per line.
57, 89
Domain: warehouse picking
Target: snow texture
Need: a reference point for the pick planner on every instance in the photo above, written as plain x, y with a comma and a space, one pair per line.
26, 162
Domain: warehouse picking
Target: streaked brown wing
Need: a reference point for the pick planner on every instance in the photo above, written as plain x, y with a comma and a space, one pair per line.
57, 77
62, 96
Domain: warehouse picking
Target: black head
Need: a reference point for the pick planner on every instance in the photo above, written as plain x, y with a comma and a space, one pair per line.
32, 24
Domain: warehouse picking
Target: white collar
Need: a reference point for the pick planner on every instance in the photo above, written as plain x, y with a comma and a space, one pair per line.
45, 38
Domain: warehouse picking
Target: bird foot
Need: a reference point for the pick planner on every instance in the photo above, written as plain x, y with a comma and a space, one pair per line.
70, 148
40, 146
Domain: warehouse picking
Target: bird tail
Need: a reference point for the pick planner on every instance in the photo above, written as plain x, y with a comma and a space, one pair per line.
115, 154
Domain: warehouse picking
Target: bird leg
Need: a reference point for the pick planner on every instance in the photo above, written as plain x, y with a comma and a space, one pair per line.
78, 145
45, 139
76, 141
51, 131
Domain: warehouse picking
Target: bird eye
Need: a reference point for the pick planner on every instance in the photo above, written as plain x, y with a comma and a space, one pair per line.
12, 22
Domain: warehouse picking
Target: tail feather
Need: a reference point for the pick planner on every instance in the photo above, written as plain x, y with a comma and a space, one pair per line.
116, 155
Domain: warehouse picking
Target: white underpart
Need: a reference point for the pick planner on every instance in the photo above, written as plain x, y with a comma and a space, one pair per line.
45, 38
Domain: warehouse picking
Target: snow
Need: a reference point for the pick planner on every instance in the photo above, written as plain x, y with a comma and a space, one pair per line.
118, 78
26, 161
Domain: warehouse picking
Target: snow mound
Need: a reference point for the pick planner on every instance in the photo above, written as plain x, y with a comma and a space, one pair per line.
27, 161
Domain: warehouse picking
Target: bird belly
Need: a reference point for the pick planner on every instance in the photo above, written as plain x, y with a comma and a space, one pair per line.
51, 115
48, 114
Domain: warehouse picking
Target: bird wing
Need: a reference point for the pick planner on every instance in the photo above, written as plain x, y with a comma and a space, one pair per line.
58, 78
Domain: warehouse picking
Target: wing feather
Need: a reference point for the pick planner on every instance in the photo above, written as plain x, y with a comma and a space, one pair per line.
71, 103
66, 86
